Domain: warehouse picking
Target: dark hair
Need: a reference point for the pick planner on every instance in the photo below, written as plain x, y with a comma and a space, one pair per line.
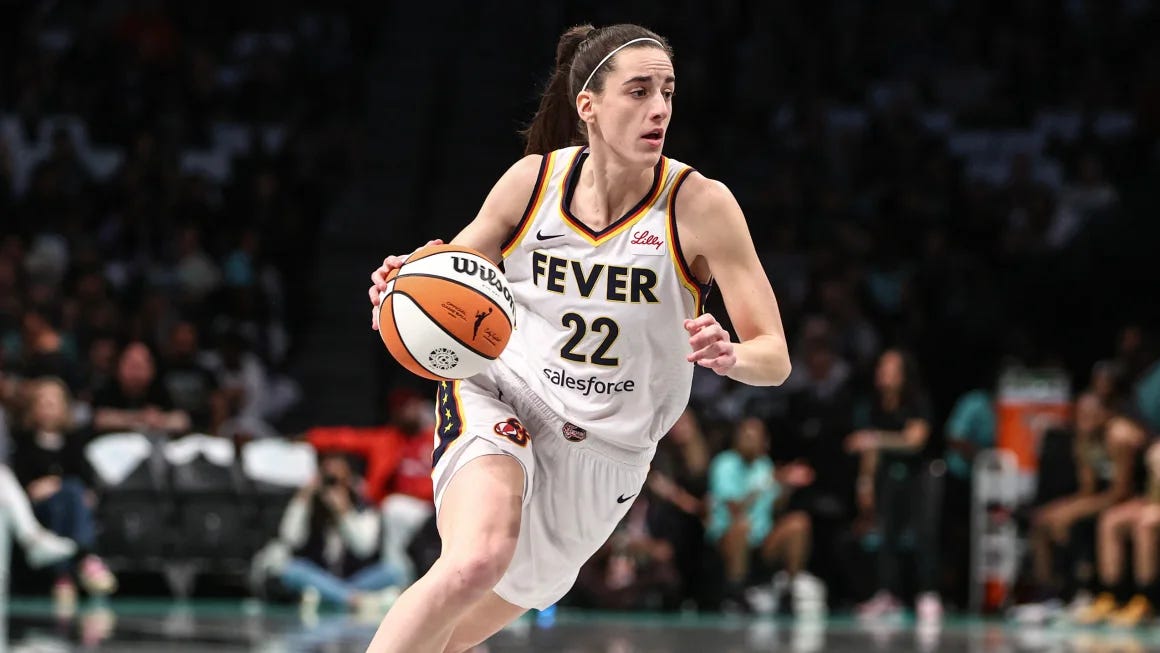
580, 48
912, 387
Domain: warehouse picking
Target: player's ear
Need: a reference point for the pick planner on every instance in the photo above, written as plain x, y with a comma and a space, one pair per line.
584, 107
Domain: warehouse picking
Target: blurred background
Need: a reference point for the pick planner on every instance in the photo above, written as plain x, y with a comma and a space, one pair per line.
956, 203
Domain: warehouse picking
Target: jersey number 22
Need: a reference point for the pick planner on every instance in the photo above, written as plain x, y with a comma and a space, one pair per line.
599, 356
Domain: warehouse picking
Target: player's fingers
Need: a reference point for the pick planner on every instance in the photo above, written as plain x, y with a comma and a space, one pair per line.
373, 294
379, 278
710, 352
375, 318
700, 322
706, 336
721, 365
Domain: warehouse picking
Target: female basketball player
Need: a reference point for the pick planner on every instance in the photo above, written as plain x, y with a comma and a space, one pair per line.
608, 249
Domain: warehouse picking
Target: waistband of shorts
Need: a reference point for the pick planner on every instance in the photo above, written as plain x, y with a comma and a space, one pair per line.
593, 442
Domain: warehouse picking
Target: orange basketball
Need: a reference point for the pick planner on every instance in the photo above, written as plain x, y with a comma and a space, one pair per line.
447, 313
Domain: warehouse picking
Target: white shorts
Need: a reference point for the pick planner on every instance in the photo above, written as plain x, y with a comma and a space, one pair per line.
576, 488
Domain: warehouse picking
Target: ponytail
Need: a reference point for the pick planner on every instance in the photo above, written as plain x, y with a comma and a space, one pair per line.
555, 124
582, 61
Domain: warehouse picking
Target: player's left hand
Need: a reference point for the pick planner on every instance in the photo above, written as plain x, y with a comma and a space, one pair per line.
711, 345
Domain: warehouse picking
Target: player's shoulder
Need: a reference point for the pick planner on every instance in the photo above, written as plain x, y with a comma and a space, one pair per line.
700, 195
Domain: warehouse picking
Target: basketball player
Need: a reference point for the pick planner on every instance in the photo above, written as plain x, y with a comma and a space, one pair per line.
608, 248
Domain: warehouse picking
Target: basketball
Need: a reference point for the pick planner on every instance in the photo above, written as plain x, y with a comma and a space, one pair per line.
447, 313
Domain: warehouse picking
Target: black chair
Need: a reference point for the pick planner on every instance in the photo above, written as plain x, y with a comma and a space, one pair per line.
134, 509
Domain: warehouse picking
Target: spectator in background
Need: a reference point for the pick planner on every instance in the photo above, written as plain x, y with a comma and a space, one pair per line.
334, 537
41, 546
895, 428
192, 387
677, 482
241, 375
100, 369
816, 423
43, 349
49, 462
743, 491
398, 463
136, 401
969, 429
633, 570
1138, 521
1105, 450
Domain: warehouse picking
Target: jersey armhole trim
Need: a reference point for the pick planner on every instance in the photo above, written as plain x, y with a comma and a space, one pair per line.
534, 202
684, 270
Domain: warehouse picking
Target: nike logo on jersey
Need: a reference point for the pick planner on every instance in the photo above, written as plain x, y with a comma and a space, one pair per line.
540, 236
622, 498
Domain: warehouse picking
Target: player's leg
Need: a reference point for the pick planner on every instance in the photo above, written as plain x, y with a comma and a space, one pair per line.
479, 520
1112, 527
481, 621
1147, 552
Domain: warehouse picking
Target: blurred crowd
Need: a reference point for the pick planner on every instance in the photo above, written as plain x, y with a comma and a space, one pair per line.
939, 191
164, 169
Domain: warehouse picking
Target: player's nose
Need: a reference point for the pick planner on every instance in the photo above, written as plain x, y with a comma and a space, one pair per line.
658, 108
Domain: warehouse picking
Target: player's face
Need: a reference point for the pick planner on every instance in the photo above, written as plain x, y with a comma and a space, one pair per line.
632, 113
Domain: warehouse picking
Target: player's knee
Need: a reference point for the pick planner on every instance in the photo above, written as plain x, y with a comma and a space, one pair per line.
477, 571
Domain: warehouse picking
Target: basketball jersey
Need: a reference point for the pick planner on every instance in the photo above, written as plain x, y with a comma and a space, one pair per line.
600, 314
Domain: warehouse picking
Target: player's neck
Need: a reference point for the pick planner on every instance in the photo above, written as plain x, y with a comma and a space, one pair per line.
608, 188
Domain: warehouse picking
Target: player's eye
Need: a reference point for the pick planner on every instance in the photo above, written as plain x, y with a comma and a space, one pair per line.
668, 93
637, 92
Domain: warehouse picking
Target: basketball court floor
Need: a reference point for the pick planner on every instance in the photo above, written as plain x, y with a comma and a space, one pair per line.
231, 626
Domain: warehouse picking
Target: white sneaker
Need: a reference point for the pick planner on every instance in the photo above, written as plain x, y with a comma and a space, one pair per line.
311, 599
45, 547
762, 600
928, 608
809, 596
882, 606
1036, 614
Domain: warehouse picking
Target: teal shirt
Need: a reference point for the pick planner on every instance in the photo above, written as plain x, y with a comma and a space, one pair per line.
732, 479
971, 420
1148, 397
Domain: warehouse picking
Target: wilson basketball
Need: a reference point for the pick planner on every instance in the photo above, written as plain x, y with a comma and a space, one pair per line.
447, 313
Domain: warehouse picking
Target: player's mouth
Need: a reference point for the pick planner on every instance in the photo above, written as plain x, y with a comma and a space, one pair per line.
655, 137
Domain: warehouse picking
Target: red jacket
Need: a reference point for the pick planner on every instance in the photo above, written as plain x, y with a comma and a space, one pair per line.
396, 462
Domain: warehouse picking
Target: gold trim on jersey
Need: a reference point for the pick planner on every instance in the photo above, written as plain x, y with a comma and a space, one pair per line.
539, 190
684, 274
620, 226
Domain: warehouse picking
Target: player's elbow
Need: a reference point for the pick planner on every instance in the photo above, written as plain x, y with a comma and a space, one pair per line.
784, 368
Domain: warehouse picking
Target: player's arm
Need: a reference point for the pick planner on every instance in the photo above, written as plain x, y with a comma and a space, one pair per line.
712, 228
497, 218
502, 209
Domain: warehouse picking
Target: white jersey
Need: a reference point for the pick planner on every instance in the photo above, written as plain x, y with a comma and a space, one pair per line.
599, 319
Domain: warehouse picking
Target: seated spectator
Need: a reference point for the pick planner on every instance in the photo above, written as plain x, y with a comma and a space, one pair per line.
677, 482
1106, 448
44, 350
49, 462
398, 479
136, 401
41, 546
743, 493
241, 375
333, 535
1136, 520
896, 425
633, 570
192, 386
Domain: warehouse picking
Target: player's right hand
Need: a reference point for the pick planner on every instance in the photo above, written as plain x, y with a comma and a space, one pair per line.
379, 280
